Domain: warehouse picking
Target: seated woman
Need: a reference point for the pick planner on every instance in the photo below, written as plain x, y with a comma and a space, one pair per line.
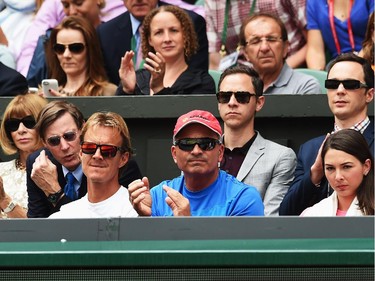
337, 26
17, 135
367, 51
349, 167
74, 58
168, 41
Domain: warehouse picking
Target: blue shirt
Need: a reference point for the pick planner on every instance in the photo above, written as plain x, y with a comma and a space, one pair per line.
318, 18
225, 197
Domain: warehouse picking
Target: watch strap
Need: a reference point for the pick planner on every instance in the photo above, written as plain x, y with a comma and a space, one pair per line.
54, 197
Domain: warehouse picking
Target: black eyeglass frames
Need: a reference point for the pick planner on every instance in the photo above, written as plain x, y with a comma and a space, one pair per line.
241, 96
188, 144
349, 84
12, 124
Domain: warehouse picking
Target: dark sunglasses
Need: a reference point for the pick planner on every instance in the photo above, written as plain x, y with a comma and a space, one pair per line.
74, 48
205, 144
106, 150
349, 84
241, 96
68, 136
12, 124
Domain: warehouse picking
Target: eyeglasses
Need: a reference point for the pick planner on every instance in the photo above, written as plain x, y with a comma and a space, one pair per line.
68, 136
12, 124
205, 144
349, 84
74, 48
255, 41
241, 96
106, 150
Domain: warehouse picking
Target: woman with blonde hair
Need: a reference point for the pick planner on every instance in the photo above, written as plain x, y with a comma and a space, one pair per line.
74, 58
18, 137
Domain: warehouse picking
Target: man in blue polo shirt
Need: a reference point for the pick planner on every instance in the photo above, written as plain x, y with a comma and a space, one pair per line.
203, 189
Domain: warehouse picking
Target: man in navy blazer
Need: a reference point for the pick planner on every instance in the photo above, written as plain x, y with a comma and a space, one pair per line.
350, 88
59, 126
115, 36
12, 83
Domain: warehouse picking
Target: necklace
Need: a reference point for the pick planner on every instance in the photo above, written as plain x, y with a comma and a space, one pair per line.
19, 165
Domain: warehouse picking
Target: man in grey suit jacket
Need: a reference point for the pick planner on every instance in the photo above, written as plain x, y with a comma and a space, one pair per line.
252, 159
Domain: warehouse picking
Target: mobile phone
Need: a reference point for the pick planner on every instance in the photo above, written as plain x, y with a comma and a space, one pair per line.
48, 84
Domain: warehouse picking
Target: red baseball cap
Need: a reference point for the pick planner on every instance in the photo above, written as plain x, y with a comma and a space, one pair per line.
198, 116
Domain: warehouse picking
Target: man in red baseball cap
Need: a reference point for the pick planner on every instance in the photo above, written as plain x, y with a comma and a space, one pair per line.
202, 189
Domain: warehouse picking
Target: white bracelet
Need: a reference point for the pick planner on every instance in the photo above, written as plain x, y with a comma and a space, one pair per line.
9, 208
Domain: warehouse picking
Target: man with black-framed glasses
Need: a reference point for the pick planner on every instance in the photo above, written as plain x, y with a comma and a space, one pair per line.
202, 189
54, 174
247, 155
350, 88
105, 150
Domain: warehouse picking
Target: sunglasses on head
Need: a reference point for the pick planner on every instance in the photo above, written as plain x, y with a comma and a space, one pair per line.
349, 84
12, 124
205, 144
74, 48
68, 136
241, 96
106, 150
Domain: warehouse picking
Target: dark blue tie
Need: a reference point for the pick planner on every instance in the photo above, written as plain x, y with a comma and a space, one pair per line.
69, 189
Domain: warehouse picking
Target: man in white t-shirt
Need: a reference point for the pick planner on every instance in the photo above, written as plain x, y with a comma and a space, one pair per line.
105, 150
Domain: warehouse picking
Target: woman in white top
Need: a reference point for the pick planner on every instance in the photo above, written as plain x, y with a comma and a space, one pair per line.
348, 167
18, 137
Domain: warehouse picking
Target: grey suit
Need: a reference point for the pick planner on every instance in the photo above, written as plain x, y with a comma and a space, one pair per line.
269, 167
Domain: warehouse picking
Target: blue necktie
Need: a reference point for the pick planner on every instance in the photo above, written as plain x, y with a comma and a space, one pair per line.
69, 189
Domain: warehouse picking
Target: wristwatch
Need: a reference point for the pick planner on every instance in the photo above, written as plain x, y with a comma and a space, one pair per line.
54, 197
9, 208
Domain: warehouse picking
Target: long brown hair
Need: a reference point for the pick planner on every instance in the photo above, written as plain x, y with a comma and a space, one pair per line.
353, 143
368, 42
96, 75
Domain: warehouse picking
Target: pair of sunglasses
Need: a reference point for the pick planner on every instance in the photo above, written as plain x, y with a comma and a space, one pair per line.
74, 48
349, 84
12, 124
241, 96
205, 144
68, 136
106, 150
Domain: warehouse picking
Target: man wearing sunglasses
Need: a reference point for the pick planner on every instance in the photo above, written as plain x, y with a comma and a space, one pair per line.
203, 189
59, 126
248, 156
265, 42
54, 175
105, 150
350, 88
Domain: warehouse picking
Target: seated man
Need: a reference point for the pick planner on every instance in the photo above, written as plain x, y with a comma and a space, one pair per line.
12, 83
265, 41
203, 189
54, 174
105, 149
350, 88
248, 156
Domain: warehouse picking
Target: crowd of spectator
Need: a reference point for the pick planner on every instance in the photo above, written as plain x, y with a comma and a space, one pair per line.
66, 168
